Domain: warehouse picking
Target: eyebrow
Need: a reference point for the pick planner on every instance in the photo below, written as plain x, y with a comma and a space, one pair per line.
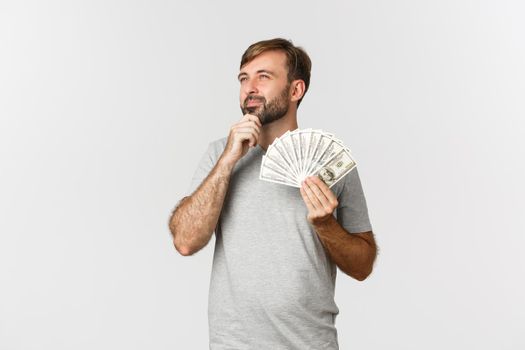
259, 71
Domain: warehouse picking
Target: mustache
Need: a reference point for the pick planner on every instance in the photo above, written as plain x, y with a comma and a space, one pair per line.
254, 98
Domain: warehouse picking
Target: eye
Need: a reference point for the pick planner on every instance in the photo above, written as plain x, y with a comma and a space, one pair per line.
242, 79
265, 76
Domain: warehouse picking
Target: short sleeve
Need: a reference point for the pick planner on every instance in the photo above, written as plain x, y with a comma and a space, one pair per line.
204, 167
352, 211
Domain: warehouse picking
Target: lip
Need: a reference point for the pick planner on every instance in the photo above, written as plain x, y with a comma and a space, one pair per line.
253, 103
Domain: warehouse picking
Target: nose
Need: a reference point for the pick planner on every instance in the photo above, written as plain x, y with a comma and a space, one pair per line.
250, 86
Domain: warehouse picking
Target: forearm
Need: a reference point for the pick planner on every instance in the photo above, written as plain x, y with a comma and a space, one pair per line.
194, 220
354, 254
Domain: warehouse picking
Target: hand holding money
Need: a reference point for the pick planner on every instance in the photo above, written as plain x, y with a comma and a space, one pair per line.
299, 154
243, 135
320, 201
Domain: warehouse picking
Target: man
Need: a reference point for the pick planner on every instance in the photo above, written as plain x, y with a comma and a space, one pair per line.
277, 247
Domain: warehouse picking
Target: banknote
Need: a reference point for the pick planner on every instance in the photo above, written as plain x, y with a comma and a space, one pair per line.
273, 174
336, 168
300, 153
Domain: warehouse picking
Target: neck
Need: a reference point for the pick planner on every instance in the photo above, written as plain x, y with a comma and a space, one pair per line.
270, 132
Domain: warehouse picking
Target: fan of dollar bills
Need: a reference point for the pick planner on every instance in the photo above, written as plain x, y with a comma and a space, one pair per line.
308, 152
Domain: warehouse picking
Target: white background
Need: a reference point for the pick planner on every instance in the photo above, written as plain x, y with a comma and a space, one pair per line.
107, 106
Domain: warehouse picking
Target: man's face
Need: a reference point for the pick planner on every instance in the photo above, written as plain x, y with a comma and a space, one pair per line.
265, 91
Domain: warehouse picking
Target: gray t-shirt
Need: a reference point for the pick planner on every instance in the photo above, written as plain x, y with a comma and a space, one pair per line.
272, 283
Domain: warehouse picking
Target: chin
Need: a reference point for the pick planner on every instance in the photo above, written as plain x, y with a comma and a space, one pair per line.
253, 110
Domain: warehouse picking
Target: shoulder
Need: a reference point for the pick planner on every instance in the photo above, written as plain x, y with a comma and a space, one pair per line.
218, 144
349, 187
347, 183
216, 147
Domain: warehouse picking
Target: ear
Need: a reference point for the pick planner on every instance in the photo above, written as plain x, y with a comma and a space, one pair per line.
297, 90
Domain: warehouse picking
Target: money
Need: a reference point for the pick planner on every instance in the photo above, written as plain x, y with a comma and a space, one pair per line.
308, 152
336, 168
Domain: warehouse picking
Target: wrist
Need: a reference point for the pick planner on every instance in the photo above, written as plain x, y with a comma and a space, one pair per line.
225, 165
326, 224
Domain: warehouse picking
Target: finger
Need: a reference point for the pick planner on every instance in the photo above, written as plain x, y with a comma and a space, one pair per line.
319, 188
326, 190
249, 124
244, 136
249, 131
254, 118
307, 201
311, 195
318, 198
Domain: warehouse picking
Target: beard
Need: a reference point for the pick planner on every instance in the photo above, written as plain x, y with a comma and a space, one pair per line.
268, 112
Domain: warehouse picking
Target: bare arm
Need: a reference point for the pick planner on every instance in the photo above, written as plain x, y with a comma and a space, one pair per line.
194, 219
196, 216
353, 253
